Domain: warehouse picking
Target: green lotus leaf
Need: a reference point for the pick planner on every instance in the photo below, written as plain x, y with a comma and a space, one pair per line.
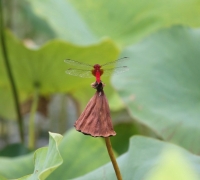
85, 22
46, 159
81, 154
16, 167
161, 89
145, 158
173, 165
44, 69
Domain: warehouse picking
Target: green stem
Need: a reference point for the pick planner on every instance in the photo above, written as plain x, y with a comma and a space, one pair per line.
112, 158
10, 75
31, 141
62, 116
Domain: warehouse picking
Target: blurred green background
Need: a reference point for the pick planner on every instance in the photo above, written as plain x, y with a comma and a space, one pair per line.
157, 101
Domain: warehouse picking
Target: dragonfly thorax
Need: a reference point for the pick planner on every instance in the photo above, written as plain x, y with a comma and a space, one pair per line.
97, 72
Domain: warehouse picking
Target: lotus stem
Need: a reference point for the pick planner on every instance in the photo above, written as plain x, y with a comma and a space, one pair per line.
31, 142
112, 158
10, 75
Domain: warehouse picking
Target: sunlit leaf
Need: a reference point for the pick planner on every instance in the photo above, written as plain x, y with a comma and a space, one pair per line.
173, 165
2, 178
46, 68
7, 109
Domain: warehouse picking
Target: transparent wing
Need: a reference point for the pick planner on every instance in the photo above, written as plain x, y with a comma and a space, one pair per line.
115, 71
80, 73
76, 63
116, 61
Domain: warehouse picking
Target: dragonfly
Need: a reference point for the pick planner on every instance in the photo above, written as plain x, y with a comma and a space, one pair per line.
96, 70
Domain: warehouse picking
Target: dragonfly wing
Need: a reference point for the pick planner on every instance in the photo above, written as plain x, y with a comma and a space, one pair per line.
80, 73
115, 62
76, 63
115, 71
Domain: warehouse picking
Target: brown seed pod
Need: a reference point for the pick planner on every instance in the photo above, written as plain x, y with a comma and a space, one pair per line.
95, 120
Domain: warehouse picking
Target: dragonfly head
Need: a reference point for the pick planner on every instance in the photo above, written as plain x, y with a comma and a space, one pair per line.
96, 66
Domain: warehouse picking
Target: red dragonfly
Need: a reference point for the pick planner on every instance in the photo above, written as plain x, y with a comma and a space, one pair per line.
95, 70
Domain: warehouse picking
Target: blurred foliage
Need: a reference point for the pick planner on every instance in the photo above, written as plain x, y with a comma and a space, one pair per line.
125, 22
19, 14
158, 97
